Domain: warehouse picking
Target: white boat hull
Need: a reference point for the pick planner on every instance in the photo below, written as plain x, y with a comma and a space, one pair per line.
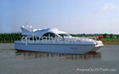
56, 48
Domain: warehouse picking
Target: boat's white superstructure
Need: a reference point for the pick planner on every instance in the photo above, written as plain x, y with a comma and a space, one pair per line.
56, 41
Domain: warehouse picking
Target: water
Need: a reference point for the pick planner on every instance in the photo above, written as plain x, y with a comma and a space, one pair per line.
105, 61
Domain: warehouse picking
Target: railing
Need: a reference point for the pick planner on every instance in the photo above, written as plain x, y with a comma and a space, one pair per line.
70, 40
90, 37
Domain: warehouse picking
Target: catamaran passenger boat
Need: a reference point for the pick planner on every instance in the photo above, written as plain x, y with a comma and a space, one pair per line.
55, 41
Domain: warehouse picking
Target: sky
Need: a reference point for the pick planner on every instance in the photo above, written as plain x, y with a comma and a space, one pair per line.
72, 16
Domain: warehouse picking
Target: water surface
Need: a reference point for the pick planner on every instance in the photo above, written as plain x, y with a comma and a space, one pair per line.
105, 61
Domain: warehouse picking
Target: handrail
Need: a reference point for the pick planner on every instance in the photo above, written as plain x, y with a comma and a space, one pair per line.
72, 40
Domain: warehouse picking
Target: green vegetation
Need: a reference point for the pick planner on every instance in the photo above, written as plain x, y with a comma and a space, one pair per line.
108, 38
112, 40
9, 37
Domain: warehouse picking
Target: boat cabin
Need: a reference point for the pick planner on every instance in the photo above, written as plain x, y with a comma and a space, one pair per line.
49, 34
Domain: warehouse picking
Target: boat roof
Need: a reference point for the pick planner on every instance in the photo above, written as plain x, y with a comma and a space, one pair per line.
29, 31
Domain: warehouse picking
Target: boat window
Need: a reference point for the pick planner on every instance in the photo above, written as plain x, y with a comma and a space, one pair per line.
64, 35
34, 38
47, 35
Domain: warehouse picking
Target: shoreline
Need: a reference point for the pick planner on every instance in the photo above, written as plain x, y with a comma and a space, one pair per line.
107, 38
111, 43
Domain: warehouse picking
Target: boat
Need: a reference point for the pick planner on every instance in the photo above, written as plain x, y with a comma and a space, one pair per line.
53, 40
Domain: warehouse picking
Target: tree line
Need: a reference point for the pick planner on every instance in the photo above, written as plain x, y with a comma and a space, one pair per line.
11, 37
105, 35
